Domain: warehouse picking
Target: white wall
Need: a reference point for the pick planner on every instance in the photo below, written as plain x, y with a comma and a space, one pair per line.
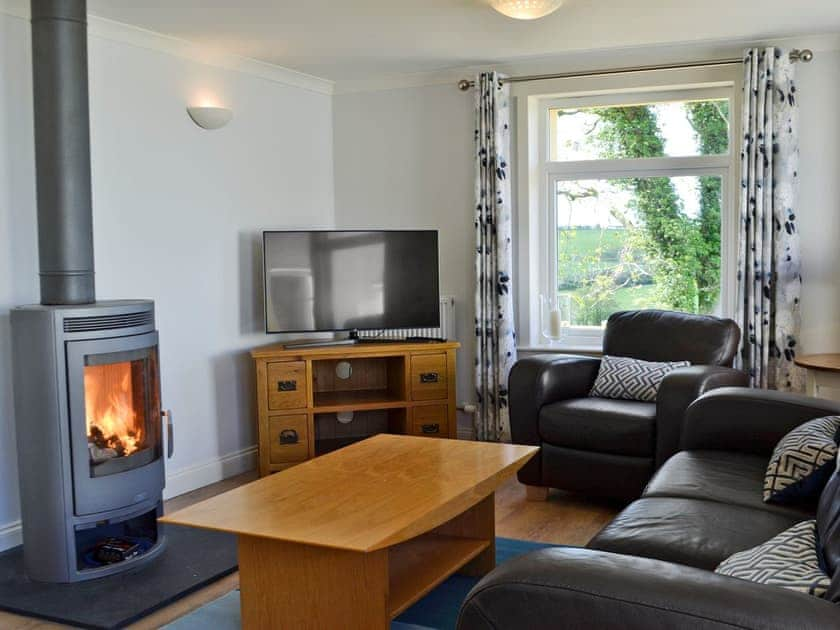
819, 205
18, 241
404, 157
177, 214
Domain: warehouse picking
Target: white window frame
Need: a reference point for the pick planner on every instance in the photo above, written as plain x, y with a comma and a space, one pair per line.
536, 176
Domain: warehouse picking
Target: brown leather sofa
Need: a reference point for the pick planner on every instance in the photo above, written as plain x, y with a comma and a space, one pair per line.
652, 566
607, 447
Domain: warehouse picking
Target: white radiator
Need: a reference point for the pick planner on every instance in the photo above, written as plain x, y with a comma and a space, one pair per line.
445, 331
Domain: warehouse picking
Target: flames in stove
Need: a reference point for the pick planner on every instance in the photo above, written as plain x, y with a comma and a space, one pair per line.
114, 428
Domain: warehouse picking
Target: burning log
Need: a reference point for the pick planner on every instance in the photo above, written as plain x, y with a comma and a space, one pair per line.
97, 438
100, 455
102, 447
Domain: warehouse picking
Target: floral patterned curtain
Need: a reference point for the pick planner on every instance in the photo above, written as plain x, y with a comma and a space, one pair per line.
769, 280
494, 328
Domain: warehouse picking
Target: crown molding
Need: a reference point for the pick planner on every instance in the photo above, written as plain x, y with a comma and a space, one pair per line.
142, 38
444, 76
580, 60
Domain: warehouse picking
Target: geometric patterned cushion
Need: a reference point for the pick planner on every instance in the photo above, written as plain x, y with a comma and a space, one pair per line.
802, 461
631, 379
790, 560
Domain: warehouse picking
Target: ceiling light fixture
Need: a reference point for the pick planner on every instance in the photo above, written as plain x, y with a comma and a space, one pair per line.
526, 9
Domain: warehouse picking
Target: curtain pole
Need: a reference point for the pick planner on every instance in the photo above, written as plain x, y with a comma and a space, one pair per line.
804, 55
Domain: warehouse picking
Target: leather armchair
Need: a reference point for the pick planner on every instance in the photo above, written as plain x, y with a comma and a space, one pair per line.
612, 447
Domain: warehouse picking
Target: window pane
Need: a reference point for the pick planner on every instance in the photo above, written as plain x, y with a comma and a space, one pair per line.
646, 242
668, 129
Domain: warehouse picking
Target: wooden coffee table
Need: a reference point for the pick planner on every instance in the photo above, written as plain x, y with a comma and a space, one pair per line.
353, 538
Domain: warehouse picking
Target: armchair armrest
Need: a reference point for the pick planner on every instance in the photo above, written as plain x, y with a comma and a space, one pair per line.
537, 381
748, 420
678, 390
581, 588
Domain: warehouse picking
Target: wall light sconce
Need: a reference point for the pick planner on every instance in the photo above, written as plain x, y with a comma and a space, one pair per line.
210, 117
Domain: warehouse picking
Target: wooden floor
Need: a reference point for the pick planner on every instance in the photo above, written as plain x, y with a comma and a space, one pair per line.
562, 519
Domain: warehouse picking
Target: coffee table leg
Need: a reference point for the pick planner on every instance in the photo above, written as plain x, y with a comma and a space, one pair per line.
287, 585
477, 522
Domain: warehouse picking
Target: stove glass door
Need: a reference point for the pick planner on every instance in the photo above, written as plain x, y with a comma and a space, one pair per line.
115, 422
122, 410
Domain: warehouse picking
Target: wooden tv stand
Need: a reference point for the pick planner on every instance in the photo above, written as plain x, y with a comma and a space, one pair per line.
303, 401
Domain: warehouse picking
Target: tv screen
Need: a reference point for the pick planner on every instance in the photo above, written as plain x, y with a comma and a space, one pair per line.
339, 280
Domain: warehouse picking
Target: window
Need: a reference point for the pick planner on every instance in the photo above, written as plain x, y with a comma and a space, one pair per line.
631, 208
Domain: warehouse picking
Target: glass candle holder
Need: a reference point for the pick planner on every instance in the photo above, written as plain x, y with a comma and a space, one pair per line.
555, 316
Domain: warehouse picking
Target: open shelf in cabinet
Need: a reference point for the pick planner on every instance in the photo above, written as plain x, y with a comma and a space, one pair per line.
373, 383
330, 434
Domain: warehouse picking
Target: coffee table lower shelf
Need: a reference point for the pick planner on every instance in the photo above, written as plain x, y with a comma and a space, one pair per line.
417, 566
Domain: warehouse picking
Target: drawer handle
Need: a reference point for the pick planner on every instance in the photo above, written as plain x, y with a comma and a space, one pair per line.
289, 436
429, 377
286, 386
430, 428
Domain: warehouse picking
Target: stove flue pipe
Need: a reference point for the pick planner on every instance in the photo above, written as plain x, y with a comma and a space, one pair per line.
62, 151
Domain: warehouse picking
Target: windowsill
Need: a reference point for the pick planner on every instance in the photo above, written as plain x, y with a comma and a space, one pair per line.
558, 349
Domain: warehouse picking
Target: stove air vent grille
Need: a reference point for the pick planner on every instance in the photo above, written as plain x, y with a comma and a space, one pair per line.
108, 322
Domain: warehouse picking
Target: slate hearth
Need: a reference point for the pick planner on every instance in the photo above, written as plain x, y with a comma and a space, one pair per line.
193, 559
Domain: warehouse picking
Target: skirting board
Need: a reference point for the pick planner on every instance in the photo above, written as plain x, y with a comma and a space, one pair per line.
11, 535
204, 474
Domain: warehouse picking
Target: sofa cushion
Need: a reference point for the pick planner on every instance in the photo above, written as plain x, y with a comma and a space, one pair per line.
620, 427
688, 531
789, 560
720, 476
631, 379
802, 461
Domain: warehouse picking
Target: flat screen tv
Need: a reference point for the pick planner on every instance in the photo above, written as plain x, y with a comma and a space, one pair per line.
347, 280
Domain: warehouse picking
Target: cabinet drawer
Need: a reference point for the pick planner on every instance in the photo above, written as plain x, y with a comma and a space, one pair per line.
430, 420
288, 438
428, 377
286, 385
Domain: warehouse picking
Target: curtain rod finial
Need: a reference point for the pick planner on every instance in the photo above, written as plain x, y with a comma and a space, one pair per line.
464, 85
805, 55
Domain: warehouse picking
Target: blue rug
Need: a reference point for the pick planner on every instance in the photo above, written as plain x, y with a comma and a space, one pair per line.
436, 611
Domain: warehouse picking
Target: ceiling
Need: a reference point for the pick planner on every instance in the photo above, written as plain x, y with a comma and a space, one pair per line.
369, 39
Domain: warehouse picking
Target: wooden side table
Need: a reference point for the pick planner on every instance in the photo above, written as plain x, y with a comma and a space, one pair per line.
822, 374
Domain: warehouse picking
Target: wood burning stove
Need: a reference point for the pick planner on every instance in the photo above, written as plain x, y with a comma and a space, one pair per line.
90, 439
86, 382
